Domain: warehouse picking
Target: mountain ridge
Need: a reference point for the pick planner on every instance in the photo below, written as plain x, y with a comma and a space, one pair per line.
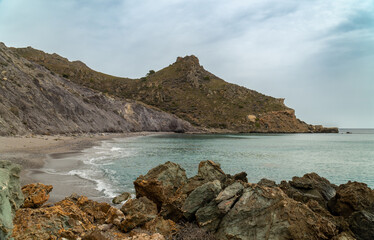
187, 90
34, 100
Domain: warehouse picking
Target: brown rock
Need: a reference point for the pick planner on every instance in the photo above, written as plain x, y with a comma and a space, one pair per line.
36, 194
351, 197
159, 225
160, 183
310, 186
137, 212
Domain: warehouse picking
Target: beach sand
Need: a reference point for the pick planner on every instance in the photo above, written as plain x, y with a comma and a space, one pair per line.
34, 153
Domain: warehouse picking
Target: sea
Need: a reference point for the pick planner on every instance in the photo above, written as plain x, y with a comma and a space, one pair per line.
114, 164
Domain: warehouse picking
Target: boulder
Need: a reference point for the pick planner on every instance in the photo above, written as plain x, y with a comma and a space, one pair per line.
268, 213
121, 198
200, 197
160, 183
310, 186
11, 197
72, 218
210, 171
137, 212
242, 176
351, 197
36, 194
362, 225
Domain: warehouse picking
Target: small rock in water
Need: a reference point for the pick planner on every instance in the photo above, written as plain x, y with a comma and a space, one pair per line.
121, 198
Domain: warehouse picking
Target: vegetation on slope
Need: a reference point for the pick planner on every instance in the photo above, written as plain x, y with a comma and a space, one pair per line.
187, 90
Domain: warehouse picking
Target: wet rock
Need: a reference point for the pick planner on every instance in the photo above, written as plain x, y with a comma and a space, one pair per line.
310, 186
161, 182
121, 198
362, 225
200, 197
137, 212
11, 196
268, 213
36, 194
351, 197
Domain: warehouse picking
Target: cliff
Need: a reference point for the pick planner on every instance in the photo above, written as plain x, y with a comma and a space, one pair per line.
36, 100
190, 92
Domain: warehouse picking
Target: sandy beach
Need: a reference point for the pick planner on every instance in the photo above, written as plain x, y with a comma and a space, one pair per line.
33, 153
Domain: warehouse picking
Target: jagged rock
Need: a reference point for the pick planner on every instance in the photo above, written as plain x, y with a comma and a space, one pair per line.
362, 225
209, 217
159, 225
121, 198
242, 176
71, 218
11, 196
268, 213
228, 196
310, 186
210, 171
161, 182
267, 183
137, 212
200, 197
36, 194
351, 197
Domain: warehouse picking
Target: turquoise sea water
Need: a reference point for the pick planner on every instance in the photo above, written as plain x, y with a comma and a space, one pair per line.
116, 163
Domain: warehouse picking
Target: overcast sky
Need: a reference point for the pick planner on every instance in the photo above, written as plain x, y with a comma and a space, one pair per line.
317, 54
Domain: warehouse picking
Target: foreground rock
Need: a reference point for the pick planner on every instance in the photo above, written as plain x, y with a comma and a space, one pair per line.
11, 197
35, 194
210, 205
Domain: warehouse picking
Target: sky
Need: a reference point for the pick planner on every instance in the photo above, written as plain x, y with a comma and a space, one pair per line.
317, 54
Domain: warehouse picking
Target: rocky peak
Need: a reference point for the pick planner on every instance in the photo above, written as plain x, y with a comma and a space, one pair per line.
192, 59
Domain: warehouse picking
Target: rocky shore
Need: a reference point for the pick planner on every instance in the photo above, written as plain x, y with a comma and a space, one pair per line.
210, 205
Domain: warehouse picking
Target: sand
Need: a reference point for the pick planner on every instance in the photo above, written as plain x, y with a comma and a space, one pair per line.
33, 153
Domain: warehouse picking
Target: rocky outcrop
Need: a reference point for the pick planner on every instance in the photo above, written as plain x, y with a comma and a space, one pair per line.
36, 194
161, 182
137, 212
11, 197
35, 100
210, 205
309, 187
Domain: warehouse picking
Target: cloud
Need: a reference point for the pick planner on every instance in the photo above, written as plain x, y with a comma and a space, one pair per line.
301, 50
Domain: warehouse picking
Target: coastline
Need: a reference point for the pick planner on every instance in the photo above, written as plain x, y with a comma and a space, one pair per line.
33, 153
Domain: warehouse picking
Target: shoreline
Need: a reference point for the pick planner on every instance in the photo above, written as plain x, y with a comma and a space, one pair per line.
37, 153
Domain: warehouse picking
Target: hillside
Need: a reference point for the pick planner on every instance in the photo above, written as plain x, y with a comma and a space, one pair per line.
38, 101
190, 92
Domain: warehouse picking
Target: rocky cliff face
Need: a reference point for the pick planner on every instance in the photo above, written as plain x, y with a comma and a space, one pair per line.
187, 90
36, 100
